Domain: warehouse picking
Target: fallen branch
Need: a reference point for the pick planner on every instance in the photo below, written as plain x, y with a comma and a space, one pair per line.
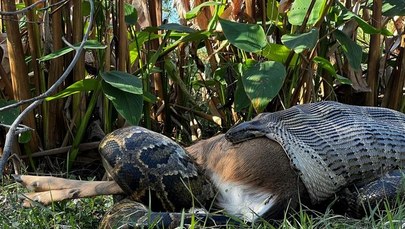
50, 152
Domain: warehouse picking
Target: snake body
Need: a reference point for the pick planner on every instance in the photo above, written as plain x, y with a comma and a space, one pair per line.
332, 145
149, 165
151, 168
353, 152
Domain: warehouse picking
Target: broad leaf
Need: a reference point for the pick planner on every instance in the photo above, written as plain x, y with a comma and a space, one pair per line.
24, 137
123, 81
302, 41
327, 66
194, 12
262, 82
195, 37
90, 44
299, 9
343, 80
391, 8
129, 105
177, 27
99, 15
241, 101
8, 116
131, 16
367, 28
351, 49
248, 37
272, 10
140, 39
79, 86
149, 97
278, 53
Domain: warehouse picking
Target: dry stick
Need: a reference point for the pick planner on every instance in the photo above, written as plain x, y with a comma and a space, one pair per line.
60, 4
374, 54
40, 99
82, 147
212, 118
24, 10
28, 8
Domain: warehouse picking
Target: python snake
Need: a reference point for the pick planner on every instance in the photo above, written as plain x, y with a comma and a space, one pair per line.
354, 152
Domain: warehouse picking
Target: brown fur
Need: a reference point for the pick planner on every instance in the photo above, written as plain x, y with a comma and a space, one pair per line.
260, 163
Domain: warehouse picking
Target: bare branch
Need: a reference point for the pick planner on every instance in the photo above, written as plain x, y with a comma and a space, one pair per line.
20, 128
30, 7
38, 100
24, 10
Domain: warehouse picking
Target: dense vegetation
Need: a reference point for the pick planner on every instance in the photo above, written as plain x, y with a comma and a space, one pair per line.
73, 70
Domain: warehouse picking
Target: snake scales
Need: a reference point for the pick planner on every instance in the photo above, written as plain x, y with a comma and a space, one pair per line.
352, 151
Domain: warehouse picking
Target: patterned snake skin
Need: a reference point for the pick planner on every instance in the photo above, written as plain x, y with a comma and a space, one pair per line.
142, 161
131, 214
332, 145
147, 165
354, 152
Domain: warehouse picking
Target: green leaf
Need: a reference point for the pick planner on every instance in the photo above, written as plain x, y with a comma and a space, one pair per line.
299, 9
133, 52
262, 82
195, 37
85, 8
302, 41
194, 12
327, 66
141, 38
350, 48
90, 44
248, 37
24, 137
79, 86
391, 8
272, 10
343, 80
367, 28
149, 97
129, 105
8, 116
131, 16
278, 53
99, 15
177, 27
241, 101
123, 81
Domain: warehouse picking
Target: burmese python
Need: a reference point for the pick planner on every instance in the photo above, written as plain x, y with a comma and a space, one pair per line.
354, 152
150, 166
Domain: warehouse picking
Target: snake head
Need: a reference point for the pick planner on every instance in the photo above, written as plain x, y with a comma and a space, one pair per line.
245, 131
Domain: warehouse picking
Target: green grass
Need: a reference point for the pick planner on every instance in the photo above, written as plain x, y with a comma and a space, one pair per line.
87, 213
83, 213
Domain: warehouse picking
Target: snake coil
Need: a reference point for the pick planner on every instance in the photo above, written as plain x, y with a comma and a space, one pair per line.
354, 152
